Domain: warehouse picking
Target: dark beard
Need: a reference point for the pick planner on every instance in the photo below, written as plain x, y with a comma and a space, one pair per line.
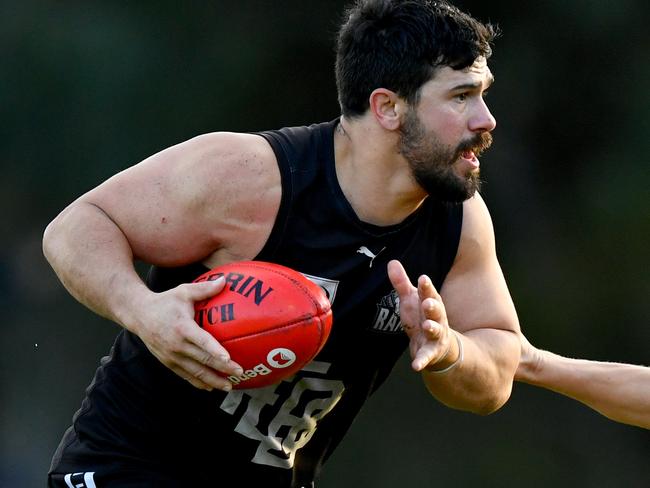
432, 162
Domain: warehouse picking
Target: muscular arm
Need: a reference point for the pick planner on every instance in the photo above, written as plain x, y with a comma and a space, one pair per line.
474, 301
618, 391
173, 208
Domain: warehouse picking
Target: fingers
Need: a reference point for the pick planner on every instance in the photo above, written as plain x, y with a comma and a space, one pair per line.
434, 309
197, 357
202, 358
426, 288
173, 336
199, 375
205, 356
206, 350
432, 347
195, 381
204, 289
398, 278
423, 317
402, 284
433, 330
433, 342
202, 370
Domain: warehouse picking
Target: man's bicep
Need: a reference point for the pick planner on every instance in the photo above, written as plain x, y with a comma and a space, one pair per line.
475, 292
479, 299
172, 206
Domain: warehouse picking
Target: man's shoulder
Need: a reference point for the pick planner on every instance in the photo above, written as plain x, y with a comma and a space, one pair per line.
228, 145
477, 233
259, 144
476, 216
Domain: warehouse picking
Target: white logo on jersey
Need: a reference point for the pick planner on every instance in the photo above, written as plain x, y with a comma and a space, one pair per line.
281, 357
328, 286
297, 412
367, 252
75, 480
387, 318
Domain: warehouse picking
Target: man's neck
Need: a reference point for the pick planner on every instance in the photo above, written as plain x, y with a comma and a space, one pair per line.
374, 177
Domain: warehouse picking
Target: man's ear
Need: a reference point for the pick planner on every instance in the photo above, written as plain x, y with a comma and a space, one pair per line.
387, 108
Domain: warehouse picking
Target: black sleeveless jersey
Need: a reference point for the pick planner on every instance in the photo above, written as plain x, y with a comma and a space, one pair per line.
137, 413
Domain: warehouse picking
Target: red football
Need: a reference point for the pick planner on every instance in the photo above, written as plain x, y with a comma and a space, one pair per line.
270, 318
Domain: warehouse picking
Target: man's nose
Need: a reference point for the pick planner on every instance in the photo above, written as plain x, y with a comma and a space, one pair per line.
482, 120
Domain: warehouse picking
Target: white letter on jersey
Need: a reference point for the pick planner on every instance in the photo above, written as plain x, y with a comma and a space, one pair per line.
295, 422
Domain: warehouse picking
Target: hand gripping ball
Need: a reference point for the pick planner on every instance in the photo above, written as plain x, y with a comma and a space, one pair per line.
270, 318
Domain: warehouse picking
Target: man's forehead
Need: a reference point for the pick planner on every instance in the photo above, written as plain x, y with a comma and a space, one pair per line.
478, 72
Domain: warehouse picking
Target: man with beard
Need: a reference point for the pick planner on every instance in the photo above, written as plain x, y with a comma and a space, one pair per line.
364, 204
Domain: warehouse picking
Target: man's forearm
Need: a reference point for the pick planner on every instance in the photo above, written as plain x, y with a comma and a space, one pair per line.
93, 260
621, 392
482, 382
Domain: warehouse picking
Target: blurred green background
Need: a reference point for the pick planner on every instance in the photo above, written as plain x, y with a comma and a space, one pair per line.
89, 88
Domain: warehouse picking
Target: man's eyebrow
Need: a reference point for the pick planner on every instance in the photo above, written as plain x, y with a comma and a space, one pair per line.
473, 86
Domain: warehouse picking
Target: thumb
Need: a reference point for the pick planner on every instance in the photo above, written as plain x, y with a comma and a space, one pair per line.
398, 277
205, 289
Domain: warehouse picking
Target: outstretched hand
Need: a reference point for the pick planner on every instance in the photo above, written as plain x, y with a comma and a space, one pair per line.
168, 329
423, 316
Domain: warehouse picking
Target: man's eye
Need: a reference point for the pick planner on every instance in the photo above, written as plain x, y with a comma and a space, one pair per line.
461, 97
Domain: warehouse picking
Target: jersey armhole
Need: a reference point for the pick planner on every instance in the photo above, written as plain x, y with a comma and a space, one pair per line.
279, 226
453, 229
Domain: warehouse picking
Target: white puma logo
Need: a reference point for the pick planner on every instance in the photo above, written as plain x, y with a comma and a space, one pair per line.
367, 252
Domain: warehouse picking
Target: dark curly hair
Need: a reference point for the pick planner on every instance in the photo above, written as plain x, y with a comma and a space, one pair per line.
398, 44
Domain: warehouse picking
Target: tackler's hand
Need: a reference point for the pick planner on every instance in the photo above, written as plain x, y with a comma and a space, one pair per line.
424, 320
